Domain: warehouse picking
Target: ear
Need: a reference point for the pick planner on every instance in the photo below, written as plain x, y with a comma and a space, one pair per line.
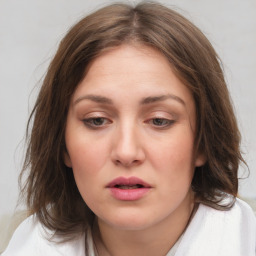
67, 159
200, 159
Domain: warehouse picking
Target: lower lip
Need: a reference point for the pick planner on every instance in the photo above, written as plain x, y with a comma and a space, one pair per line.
129, 194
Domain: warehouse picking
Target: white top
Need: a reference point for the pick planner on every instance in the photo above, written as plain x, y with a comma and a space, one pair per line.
211, 232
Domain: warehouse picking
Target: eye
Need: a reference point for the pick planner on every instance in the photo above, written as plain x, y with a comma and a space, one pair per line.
161, 122
96, 122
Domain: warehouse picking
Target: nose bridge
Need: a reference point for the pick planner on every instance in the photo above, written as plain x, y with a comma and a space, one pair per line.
127, 147
127, 137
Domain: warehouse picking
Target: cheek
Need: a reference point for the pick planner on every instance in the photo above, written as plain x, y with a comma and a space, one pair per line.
88, 158
174, 152
173, 160
87, 162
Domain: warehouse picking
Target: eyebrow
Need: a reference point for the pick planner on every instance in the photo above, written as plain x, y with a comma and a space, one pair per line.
144, 101
95, 98
149, 100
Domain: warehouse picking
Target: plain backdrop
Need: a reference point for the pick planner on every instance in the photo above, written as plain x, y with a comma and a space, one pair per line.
29, 35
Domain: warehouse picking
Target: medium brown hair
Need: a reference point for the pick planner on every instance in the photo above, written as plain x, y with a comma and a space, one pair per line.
50, 188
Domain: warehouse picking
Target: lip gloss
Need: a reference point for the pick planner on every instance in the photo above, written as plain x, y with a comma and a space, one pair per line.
128, 194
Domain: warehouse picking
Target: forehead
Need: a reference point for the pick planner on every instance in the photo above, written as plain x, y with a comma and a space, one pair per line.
131, 67
126, 54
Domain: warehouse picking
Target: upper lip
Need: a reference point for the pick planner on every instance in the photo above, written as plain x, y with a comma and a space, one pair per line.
130, 181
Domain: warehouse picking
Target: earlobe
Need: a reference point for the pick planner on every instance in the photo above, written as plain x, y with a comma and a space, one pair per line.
67, 160
200, 159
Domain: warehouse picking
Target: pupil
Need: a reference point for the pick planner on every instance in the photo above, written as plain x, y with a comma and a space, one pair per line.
158, 121
98, 121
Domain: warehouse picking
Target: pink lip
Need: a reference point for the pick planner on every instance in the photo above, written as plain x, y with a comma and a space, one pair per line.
128, 194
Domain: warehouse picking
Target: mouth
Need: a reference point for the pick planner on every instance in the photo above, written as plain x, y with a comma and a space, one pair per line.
128, 183
128, 189
129, 186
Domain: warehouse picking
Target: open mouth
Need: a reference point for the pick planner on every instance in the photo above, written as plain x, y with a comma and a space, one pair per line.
128, 188
136, 186
128, 183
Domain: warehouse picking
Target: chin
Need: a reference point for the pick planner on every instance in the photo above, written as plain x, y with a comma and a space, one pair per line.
130, 221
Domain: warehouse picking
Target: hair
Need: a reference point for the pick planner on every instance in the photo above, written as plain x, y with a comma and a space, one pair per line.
50, 189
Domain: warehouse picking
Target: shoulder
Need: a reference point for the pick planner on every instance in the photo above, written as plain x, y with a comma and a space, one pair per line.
237, 224
239, 217
240, 211
31, 238
244, 211
215, 232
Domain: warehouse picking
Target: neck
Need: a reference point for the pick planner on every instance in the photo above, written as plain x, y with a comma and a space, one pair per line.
154, 240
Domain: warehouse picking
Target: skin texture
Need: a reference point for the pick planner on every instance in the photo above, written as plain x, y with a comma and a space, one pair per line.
132, 117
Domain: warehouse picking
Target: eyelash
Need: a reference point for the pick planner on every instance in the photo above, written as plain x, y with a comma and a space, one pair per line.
93, 122
165, 123
90, 122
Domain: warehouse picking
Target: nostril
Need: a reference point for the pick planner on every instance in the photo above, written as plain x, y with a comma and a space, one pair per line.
126, 163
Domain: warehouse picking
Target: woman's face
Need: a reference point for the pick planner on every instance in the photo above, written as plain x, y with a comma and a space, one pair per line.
130, 139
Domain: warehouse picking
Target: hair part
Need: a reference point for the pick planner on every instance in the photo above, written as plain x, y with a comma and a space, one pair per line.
50, 188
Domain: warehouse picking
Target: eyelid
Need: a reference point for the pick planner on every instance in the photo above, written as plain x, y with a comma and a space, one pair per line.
95, 114
90, 117
165, 117
162, 114
167, 122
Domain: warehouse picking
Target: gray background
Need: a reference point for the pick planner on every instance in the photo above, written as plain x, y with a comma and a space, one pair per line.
29, 35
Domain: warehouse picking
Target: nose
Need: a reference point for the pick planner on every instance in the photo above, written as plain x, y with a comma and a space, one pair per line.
127, 148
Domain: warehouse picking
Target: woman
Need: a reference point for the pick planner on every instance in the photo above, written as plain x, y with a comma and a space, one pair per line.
134, 148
